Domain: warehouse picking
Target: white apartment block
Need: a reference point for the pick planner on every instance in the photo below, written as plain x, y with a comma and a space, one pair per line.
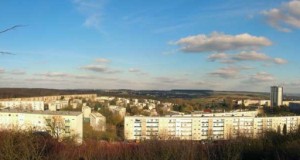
55, 98
227, 114
65, 124
204, 128
97, 121
26, 105
104, 98
118, 110
86, 110
58, 105
249, 102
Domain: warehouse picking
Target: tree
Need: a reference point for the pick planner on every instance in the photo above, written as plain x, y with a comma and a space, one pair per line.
284, 129
278, 129
113, 102
135, 111
57, 127
98, 106
6, 30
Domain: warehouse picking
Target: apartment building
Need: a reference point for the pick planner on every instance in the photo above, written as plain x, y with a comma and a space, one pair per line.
276, 96
227, 114
294, 107
287, 103
58, 105
26, 105
97, 121
57, 97
204, 128
253, 102
64, 124
86, 110
118, 110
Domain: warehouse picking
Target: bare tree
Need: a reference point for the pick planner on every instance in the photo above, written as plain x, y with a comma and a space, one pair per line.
6, 30
8, 53
11, 28
56, 124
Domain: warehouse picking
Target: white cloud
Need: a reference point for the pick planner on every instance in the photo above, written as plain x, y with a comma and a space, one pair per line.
137, 71
285, 17
100, 69
217, 56
102, 60
64, 75
245, 56
17, 72
246, 67
280, 61
133, 70
92, 10
169, 52
261, 77
2, 70
250, 56
92, 21
218, 42
53, 74
170, 80
226, 72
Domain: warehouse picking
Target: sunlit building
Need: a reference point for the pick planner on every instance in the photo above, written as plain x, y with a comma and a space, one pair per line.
97, 121
25, 105
276, 96
58, 105
59, 124
205, 128
86, 110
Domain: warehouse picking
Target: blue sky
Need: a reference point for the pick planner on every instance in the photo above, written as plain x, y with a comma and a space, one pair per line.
179, 44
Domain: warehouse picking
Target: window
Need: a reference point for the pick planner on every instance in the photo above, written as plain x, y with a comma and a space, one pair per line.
67, 129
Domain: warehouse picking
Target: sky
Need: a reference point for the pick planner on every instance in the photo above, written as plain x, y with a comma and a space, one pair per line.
231, 45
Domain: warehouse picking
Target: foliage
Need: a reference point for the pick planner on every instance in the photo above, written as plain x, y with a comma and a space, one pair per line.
70, 108
26, 145
56, 124
111, 118
278, 111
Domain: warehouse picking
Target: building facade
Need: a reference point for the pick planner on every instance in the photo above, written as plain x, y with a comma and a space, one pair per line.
25, 105
58, 105
276, 96
204, 128
55, 98
118, 110
294, 107
86, 110
98, 121
58, 124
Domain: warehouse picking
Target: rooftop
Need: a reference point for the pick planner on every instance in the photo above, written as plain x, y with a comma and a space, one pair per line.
40, 112
96, 114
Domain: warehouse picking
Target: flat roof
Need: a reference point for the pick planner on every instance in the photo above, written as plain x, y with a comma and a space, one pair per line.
96, 114
47, 112
210, 117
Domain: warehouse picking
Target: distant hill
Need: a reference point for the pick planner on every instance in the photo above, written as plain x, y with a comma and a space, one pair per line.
157, 94
33, 92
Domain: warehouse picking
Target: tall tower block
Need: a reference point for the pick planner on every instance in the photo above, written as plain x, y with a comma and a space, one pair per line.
276, 96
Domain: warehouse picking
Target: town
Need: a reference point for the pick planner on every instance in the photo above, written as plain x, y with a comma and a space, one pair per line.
141, 119
149, 80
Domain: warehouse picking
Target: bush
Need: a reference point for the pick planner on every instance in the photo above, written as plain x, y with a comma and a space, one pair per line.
28, 145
